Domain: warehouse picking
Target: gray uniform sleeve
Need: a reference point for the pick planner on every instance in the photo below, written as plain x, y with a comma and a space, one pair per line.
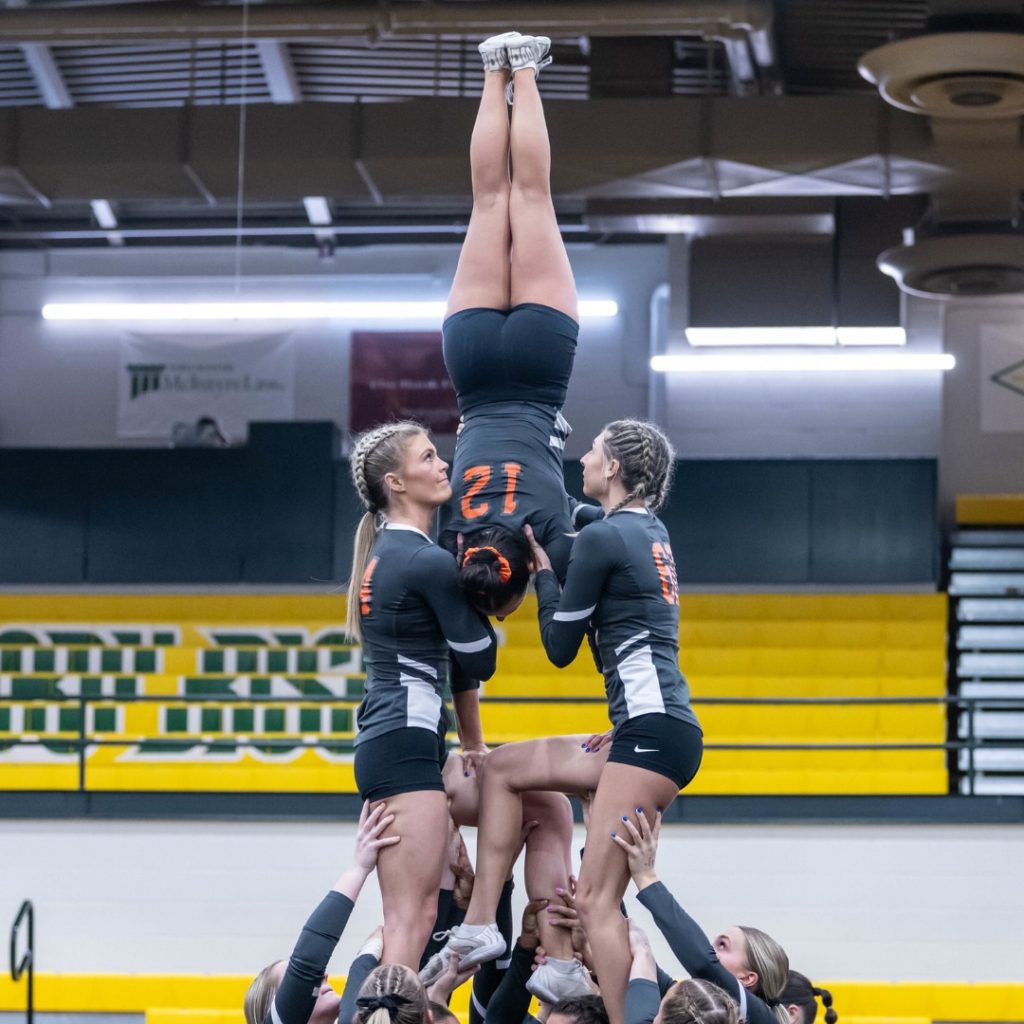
693, 950
361, 968
435, 575
300, 986
642, 1001
564, 615
510, 1002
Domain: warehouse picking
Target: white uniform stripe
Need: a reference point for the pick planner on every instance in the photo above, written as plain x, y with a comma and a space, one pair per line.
274, 1015
574, 616
640, 684
418, 665
472, 647
632, 640
556, 442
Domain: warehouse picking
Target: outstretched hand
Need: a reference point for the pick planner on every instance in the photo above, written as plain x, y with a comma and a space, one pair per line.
368, 841
641, 848
449, 980
538, 556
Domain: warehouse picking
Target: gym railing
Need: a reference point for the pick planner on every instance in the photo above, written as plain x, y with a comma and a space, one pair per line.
26, 965
86, 740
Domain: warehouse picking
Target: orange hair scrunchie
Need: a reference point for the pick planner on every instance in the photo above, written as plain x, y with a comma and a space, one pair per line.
504, 569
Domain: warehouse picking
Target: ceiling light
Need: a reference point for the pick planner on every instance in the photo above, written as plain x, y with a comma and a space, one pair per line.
104, 213
301, 310
744, 337
804, 362
318, 211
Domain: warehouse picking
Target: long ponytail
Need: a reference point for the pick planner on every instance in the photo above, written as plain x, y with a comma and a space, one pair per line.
374, 454
768, 960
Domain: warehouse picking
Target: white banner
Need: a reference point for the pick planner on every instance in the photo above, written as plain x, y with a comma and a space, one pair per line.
167, 380
1002, 379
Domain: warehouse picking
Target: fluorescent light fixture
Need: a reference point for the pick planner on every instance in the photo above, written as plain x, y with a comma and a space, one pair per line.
104, 213
804, 362
871, 336
747, 337
318, 211
207, 311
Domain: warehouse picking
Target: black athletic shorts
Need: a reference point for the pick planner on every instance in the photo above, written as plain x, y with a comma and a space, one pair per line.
401, 761
659, 743
522, 354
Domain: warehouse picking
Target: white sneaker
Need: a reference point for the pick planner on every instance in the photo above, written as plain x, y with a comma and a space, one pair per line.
493, 51
527, 52
559, 979
475, 944
434, 967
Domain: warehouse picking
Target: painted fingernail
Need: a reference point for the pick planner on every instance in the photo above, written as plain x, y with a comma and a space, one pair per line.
587, 749
613, 835
659, 809
639, 810
624, 818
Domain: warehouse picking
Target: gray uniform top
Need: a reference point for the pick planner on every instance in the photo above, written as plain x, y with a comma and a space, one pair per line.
412, 613
622, 584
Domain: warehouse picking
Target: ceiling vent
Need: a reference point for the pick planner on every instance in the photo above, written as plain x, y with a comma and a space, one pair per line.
960, 75
958, 266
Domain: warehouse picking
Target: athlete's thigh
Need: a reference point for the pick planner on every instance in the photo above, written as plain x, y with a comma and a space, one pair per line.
558, 763
623, 790
413, 866
462, 788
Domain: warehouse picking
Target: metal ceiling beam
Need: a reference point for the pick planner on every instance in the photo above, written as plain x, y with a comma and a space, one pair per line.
128, 23
48, 78
279, 71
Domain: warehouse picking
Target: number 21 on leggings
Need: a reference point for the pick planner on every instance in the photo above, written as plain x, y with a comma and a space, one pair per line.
476, 478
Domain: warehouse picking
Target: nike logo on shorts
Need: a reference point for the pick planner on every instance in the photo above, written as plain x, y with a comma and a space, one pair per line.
644, 750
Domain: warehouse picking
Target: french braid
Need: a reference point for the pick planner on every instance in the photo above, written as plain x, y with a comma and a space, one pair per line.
696, 1001
392, 980
645, 458
375, 453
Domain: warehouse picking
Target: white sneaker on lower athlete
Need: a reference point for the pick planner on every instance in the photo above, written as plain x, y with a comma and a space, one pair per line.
434, 967
559, 979
493, 51
475, 943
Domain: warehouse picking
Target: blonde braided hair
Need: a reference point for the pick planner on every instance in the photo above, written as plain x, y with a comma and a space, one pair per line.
375, 453
696, 1001
646, 461
395, 980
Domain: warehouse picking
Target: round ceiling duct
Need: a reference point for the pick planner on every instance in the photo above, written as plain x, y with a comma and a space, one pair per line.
964, 75
958, 266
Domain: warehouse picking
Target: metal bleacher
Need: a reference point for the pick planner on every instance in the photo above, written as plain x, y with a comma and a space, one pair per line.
986, 588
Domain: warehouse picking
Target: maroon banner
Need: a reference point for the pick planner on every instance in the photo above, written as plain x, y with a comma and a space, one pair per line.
398, 375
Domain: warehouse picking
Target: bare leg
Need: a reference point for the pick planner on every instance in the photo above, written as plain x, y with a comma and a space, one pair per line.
410, 873
549, 862
540, 265
623, 789
556, 763
548, 846
482, 276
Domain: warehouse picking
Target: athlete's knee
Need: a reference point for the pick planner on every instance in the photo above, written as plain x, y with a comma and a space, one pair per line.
551, 811
491, 196
594, 902
538, 191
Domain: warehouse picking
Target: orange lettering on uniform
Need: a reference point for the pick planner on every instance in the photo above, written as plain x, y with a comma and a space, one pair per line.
511, 471
666, 566
481, 475
365, 588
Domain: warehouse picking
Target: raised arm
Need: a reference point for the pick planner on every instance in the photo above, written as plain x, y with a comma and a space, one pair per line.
685, 937
565, 614
435, 575
300, 986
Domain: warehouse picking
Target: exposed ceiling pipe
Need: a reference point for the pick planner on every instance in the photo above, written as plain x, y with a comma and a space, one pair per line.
132, 23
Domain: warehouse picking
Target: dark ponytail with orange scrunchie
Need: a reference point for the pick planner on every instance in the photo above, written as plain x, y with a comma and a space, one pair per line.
495, 568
